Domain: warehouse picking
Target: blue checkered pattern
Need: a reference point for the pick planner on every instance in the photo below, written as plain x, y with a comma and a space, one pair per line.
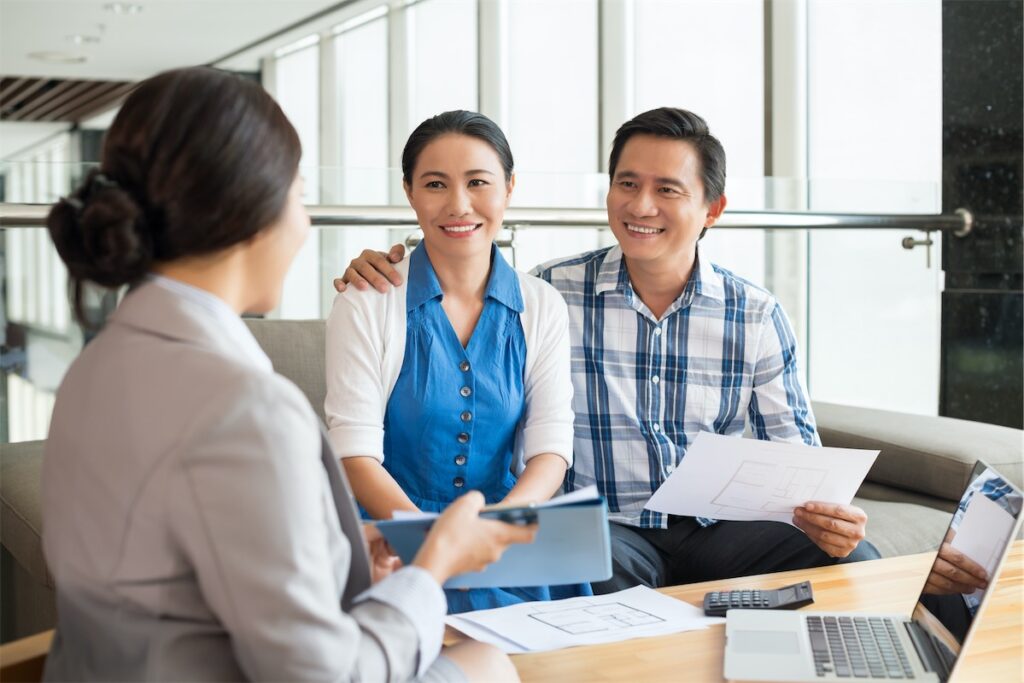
723, 353
993, 487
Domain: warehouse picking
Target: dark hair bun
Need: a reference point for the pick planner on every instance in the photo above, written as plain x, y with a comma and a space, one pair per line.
99, 235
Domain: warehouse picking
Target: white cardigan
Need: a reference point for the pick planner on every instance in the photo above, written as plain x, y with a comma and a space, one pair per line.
366, 347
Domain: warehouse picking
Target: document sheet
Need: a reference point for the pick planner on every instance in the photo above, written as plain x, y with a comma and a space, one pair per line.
983, 533
723, 477
580, 495
638, 612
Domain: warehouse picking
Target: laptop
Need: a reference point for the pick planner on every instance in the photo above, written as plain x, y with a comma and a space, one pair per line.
766, 645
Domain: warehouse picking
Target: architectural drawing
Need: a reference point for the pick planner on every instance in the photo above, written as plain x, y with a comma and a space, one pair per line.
768, 487
595, 618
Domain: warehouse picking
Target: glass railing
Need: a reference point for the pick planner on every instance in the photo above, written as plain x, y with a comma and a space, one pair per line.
865, 308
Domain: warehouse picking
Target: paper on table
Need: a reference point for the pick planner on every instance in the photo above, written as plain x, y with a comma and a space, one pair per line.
535, 626
723, 477
983, 532
585, 493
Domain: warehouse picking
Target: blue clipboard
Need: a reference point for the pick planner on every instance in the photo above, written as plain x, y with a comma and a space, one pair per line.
572, 546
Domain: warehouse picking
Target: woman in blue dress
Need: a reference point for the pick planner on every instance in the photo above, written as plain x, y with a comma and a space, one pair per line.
458, 379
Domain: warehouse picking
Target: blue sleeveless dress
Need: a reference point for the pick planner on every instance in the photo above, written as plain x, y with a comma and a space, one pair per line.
451, 419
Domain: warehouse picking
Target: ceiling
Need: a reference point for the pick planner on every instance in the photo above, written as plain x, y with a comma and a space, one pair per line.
49, 99
115, 49
163, 35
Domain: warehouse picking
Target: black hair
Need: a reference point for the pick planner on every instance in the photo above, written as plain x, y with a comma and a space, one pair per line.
196, 160
677, 124
459, 122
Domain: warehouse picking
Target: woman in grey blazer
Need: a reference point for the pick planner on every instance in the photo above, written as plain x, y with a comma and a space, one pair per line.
195, 522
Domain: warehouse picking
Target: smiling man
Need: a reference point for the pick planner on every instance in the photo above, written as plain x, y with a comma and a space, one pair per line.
666, 345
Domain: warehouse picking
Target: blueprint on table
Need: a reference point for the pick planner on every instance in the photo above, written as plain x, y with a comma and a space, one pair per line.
638, 612
725, 477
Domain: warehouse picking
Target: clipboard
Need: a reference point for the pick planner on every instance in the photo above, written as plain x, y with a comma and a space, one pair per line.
572, 546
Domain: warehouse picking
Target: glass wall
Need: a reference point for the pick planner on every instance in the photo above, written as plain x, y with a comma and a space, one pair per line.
559, 76
874, 144
718, 74
296, 84
35, 295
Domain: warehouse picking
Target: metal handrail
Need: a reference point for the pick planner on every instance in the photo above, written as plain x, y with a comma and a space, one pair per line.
959, 223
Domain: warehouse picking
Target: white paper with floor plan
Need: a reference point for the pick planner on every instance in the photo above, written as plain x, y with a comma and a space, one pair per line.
982, 534
638, 612
723, 477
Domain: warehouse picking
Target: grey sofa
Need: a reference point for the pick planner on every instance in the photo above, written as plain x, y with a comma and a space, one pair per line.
915, 483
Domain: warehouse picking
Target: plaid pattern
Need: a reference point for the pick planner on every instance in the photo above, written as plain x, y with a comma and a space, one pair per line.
722, 353
993, 487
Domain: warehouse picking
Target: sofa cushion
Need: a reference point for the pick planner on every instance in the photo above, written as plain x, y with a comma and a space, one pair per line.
296, 348
931, 455
902, 528
21, 517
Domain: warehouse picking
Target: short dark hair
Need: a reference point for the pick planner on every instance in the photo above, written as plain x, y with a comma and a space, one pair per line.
196, 160
458, 122
677, 124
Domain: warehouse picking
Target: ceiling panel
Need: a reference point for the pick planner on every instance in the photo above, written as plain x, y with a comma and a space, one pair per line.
51, 99
164, 34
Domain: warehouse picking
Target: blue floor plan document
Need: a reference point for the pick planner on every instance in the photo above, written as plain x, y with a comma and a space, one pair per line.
571, 546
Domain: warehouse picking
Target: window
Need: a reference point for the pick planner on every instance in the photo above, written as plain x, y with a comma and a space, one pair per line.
718, 74
875, 143
296, 85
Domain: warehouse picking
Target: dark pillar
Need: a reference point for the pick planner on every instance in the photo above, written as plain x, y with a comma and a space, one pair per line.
982, 356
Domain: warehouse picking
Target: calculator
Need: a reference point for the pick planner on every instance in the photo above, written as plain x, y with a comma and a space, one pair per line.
716, 603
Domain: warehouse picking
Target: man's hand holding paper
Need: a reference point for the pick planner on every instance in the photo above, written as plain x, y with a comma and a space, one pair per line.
835, 528
726, 478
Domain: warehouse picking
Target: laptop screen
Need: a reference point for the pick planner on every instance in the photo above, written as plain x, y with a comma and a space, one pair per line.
982, 527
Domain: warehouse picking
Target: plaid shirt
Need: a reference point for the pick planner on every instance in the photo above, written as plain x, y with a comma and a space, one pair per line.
722, 352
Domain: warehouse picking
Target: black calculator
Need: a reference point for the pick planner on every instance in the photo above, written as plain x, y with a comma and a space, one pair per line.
716, 603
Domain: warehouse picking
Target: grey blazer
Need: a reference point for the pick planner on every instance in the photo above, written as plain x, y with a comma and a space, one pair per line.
190, 523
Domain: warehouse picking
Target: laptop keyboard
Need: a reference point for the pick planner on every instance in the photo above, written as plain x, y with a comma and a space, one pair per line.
857, 647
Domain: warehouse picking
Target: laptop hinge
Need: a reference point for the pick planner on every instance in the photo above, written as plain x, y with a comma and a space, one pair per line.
927, 650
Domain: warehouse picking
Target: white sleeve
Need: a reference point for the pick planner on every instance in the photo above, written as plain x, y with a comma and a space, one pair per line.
547, 425
356, 393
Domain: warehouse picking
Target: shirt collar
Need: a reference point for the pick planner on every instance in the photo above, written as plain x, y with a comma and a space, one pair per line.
704, 280
612, 275
423, 284
226, 320
502, 283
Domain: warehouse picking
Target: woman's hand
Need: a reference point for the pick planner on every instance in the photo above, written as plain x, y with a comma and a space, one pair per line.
372, 268
541, 479
461, 541
383, 561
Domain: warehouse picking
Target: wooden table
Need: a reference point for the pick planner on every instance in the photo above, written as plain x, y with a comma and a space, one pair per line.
890, 585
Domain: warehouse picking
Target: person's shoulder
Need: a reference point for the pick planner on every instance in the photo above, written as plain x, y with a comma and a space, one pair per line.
261, 399
568, 266
369, 302
736, 288
539, 294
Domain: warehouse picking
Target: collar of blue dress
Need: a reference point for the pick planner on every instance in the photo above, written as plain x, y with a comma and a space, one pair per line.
502, 284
